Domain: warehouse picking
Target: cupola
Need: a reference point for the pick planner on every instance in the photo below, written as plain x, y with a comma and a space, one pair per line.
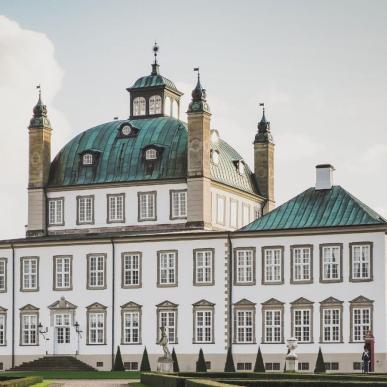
264, 134
154, 95
199, 97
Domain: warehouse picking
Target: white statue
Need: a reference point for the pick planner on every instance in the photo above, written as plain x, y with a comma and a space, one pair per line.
291, 357
164, 343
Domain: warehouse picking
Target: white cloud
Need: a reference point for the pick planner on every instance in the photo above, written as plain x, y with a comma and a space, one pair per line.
27, 58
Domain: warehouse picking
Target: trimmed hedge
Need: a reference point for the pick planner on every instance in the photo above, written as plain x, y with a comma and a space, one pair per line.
299, 383
22, 382
162, 380
206, 383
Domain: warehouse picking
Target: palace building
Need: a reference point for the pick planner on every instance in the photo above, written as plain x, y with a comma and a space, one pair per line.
152, 221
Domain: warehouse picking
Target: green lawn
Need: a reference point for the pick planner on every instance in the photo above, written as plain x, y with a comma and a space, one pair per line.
43, 384
76, 374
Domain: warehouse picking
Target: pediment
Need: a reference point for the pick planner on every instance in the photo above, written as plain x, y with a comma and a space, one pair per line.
301, 301
62, 304
96, 306
361, 300
244, 302
29, 307
167, 304
331, 301
203, 303
273, 301
131, 305
2, 310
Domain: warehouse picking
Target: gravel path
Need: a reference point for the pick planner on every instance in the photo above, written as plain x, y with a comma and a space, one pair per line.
94, 383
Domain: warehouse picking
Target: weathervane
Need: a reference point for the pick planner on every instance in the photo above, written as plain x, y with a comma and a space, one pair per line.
263, 106
198, 71
40, 90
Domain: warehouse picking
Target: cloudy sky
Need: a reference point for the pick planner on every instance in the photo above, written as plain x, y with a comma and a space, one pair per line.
319, 66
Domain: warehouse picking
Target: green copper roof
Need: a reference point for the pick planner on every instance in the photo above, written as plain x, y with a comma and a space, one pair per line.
318, 208
120, 159
153, 81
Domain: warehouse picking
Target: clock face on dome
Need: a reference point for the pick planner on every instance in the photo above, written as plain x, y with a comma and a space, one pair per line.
126, 130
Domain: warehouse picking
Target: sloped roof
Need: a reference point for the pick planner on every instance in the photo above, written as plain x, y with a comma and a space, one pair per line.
153, 81
318, 208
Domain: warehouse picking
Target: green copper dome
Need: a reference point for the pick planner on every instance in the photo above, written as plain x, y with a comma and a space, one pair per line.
154, 80
121, 159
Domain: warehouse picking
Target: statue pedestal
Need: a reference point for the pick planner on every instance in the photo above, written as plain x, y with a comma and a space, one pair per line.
164, 364
291, 363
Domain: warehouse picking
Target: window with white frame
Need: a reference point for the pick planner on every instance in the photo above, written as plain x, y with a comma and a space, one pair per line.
361, 323
331, 325
87, 159
167, 318
167, 262
220, 209
29, 327
302, 325
55, 211
147, 205
273, 326
29, 272
301, 264
96, 271
155, 104
131, 328
151, 154
85, 209
244, 266
361, 261
244, 325
203, 326
3, 329
3, 275
179, 204
245, 214
139, 106
272, 265
116, 208
62, 272
96, 328
233, 213
203, 267
131, 263
331, 257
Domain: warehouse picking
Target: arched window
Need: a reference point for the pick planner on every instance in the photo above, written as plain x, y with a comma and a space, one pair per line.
139, 105
87, 159
155, 104
175, 109
167, 106
151, 154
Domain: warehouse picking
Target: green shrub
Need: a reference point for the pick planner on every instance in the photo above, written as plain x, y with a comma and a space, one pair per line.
320, 364
259, 365
145, 365
22, 382
175, 362
201, 363
162, 380
118, 363
229, 366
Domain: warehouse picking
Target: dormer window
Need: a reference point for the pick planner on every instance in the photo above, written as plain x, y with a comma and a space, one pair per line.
215, 156
139, 106
155, 104
151, 154
126, 129
241, 167
87, 159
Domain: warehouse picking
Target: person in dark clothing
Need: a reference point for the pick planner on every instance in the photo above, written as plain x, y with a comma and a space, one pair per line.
366, 358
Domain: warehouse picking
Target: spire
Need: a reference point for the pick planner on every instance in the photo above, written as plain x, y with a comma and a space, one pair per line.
40, 118
199, 97
155, 65
264, 134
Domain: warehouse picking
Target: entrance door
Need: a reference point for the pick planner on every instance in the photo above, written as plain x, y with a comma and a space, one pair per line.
62, 334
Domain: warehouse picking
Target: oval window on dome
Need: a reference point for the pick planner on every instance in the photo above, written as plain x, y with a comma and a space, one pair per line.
126, 130
155, 104
139, 106
151, 154
87, 159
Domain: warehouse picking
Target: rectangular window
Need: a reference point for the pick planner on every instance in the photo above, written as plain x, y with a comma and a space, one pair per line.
302, 325
55, 212
203, 267
272, 366
244, 366
331, 256
273, 326
85, 209
29, 271
168, 320
361, 260
203, 324
2, 329
131, 266
233, 213
116, 206
3, 275
167, 261
147, 205
178, 204
332, 366
257, 212
245, 214
63, 272
357, 366
96, 328
302, 264
272, 263
131, 365
131, 327
96, 271
244, 325
220, 209
361, 320
331, 325
245, 266
303, 366
29, 325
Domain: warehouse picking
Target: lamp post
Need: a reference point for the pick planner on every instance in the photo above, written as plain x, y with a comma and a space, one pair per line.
43, 332
78, 331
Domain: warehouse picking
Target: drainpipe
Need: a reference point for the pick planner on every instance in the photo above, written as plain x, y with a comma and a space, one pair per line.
229, 290
13, 307
113, 298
